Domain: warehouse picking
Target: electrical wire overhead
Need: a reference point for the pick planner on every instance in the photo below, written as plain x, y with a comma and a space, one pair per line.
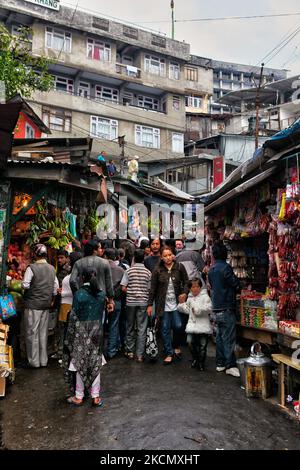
225, 18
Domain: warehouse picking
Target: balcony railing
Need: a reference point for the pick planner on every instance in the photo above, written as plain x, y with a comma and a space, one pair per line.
118, 102
128, 70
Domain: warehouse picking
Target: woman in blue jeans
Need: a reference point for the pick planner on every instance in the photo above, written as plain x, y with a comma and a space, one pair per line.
169, 286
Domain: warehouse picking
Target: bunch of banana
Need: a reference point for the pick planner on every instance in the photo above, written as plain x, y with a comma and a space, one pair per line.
92, 221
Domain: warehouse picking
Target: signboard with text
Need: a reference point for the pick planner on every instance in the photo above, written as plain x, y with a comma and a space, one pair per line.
52, 4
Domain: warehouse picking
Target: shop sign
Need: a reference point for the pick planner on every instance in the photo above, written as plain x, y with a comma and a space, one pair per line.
52, 4
218, 171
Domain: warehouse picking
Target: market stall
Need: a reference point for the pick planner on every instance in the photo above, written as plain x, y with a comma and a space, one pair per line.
260, 226
47, 202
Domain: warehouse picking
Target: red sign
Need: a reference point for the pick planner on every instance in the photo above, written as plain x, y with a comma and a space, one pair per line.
218, 171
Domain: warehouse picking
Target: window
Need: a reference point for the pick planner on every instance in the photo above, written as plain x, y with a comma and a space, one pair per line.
174, 71
198, 171
175, 176
127, 98
57, 119
104, 128
155, 65
177, 143
147, 137
98, 50
193, 102
63, 84
176, 103
147, 102
105, 93
58, 40
29, 131
84, 89
191, 74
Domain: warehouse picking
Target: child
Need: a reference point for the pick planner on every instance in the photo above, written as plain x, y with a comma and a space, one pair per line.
198, 306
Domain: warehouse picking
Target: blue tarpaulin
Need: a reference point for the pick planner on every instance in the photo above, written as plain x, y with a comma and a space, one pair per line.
285, 138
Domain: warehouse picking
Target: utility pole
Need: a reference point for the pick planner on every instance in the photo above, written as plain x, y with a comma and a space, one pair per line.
257, 104
121, 140
172, 8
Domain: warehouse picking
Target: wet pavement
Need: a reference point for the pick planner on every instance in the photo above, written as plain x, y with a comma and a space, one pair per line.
147, 406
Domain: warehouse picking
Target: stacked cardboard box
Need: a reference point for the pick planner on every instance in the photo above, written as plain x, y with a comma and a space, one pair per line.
6, 358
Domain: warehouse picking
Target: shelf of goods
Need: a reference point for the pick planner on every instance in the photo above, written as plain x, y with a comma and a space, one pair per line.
258, 311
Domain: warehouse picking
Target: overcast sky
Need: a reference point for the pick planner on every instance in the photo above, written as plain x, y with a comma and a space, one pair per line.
243, 41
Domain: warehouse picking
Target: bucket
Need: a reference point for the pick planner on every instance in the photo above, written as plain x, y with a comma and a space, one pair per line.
241, 366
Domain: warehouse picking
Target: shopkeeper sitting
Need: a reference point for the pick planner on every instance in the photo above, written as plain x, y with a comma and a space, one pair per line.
40, 284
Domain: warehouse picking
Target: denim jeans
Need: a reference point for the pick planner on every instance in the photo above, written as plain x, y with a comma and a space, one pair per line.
113, 342
136, 329
170, 320
179, 336
225, 339
198, 347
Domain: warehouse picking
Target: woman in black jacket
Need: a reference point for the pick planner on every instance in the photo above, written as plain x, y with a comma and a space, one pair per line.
169, 286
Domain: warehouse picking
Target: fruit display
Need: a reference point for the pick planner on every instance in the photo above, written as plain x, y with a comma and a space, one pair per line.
16, 290
92, 221
44, 229
18, 260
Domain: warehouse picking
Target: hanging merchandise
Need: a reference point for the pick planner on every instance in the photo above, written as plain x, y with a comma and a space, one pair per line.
7, 307
71, 219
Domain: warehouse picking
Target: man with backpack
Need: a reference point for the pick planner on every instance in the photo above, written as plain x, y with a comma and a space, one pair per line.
191, 260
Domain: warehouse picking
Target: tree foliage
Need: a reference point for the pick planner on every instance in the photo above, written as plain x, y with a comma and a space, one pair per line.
20, 71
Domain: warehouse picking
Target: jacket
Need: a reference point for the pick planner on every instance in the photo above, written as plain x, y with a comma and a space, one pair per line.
192, 261
103, 274
160, 281
198, 308
224, 285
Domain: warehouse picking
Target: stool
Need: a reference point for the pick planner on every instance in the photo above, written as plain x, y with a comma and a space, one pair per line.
283, 360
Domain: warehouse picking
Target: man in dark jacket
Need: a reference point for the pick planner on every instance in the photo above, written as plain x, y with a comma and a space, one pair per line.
224, 285
92, 260
113, 341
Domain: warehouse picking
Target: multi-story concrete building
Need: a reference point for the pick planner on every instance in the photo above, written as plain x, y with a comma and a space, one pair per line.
229, 76
111, 79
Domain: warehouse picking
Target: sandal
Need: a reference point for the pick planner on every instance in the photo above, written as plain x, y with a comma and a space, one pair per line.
165, 362
178, 354
129, 355
97, 402
73, 401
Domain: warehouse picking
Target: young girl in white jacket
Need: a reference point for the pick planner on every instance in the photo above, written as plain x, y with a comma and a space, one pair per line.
198, 306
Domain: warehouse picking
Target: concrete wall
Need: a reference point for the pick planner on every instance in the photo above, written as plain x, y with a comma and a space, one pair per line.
81, 128
174, 120
80, 20
238, 148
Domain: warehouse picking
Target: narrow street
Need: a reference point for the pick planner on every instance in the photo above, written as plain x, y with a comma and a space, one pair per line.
147, 406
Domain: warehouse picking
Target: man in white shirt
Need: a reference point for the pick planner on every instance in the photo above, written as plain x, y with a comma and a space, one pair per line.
40, 284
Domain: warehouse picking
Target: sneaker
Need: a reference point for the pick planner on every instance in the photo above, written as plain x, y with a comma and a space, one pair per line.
220, 369
233, 371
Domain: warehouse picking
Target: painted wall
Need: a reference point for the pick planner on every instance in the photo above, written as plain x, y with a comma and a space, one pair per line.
20, 130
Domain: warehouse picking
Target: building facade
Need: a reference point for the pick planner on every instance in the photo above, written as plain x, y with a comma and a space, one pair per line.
110, 79
229, 76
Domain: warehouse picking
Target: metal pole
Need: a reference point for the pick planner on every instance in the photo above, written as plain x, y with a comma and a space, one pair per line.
257, 103
172, 8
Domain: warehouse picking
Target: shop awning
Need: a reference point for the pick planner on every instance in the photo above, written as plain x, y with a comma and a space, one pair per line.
176, 191
241, 188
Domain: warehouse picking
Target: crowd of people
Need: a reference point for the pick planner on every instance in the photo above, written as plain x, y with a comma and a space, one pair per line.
107, 296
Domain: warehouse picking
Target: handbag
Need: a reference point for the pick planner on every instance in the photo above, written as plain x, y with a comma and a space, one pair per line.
7, 307
151, 342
